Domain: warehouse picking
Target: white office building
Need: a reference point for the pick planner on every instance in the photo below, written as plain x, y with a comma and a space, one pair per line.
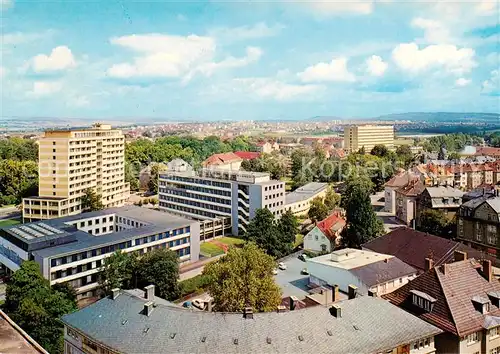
73, 249
211, 194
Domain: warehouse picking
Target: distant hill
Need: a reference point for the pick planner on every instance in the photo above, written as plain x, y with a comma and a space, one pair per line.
431, 117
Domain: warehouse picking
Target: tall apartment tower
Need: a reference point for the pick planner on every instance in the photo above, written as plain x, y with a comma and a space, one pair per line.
70, 162
367, 136
211, 194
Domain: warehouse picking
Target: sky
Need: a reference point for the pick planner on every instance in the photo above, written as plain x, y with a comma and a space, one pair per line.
271, 59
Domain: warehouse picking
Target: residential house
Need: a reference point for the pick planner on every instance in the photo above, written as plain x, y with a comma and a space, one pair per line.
288, 148
478, 224
129, 324
482, 191
264, 147
462, 299
444, 198
325, 236
413, 247
369, 271
401, 179
225, 161
406, 201
488, 151
247, 155
178, 165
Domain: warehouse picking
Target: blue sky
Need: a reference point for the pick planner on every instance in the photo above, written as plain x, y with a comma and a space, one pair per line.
248, 60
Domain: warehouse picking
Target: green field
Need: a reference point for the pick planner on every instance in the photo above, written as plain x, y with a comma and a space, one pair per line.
208, 249
9, 222
231, 241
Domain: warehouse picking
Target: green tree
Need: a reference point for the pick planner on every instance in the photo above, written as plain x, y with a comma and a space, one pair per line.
154, 176
288, 226
332, 199
36, 307
380, 150
161, 268
404, 154
453, 156
267, 233
318, 210
18, 149
362, 222
131, 176
434, 222
91, 201
243, 278
118, 271
18, 179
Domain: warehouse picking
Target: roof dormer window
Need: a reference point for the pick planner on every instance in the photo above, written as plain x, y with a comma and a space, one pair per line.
423, 300
481, 304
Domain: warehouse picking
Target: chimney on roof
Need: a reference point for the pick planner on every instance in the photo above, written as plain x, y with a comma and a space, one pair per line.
335, 293
148, 308
352, 291
386, 260
429, 264
336, 311
210, 304
487, 270
149, 292
460, 256
248, 313
114, 293
293, 302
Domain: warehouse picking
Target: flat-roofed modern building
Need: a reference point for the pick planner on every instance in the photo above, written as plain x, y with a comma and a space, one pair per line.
299, 201
367, 136
129, 324
70, 162
73, 249
211, 194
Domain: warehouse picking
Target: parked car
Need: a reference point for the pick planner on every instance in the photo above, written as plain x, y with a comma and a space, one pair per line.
275, 271
187, 304
199, 304
303, 257
304, 271
281, 265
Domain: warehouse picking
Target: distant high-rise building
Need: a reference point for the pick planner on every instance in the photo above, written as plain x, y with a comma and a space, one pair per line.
70, 162
367, 136
212, 194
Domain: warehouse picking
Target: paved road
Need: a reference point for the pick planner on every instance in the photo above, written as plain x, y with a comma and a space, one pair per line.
390, 221
194, 269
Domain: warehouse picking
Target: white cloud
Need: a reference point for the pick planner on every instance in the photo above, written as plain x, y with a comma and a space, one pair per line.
162, 55
6, 4
3, 71
336, 70
258, 30
492, 85
59, 59
461, 82
253, 54
271, 88
435, 31
336, 7
376, 66
79, 101
409, 57
44, 88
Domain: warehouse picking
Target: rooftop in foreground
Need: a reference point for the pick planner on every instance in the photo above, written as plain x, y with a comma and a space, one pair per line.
367, 325
14, 340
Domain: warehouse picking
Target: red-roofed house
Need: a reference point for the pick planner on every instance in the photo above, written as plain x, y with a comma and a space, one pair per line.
488, 151
247, 155
226, 161
325, 236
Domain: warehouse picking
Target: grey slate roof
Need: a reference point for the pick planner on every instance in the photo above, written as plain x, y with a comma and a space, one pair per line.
444, 192
305, 192
367, 325
156, 221
494, 203
381, 272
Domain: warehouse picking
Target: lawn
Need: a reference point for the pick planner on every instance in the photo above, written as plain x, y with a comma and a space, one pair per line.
208, 249
231, 241
299, 240
9, 222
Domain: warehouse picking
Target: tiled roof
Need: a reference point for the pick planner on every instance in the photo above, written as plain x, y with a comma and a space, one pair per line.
401, 179
367, 325
412, 247
412, 189
247, 155
219, 159
444, 191
453, 285
383, 271
486, 150
333, 223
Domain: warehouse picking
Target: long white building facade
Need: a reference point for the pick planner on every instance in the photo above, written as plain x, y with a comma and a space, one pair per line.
73, 249
211, 194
